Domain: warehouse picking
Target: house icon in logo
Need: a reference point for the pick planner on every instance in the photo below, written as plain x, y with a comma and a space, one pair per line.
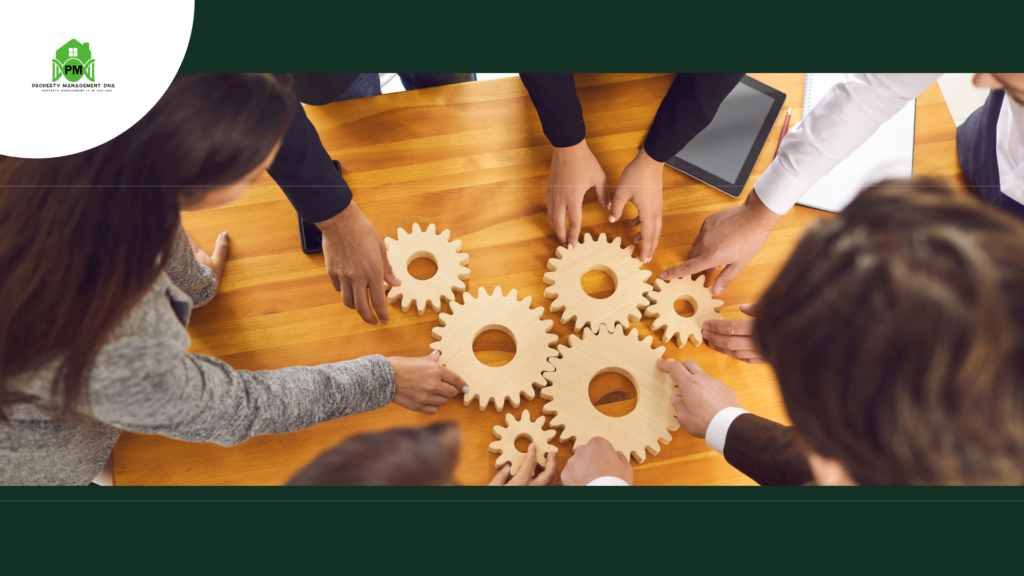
73, 60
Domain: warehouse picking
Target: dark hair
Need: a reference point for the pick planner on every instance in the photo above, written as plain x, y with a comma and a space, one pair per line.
896, 334
400, 457
83, 237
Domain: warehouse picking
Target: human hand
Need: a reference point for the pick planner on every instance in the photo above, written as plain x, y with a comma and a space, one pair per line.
733, 337
641, 183
574, 170
700, 397
593, 460
729, 238
522, 477
357, 262
422, 384
220, 254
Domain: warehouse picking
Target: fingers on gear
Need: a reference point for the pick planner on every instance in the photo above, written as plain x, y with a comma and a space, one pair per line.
534, 345
506, 435
662, 308
636, 433
608, 256
451, 268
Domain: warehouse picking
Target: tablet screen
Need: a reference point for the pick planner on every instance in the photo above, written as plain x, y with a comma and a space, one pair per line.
723, 154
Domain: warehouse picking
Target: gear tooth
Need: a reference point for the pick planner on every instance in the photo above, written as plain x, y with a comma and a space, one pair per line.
557, 306
495, 447
561, 252
629, 249
388, 243
646, 274
431, 229
457, 244
525, 416
402, 233
700, 280
617, 242
437, 334
603, 238
481, 293
445, 234
513, 294
548, 278
416, 228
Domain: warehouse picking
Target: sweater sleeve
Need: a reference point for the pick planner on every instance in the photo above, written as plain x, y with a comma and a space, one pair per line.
194, 279
561, 116
307, 174
687, 109
145, 382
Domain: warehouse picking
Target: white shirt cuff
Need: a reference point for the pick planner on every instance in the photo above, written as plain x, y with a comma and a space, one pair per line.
719, 427
608, 481
779, 189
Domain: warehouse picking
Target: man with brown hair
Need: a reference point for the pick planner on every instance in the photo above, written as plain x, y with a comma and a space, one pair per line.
895, 331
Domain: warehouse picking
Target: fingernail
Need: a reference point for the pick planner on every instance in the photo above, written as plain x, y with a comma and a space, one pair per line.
648, 260
611, 218
705, 326
465, 389
224, 234
569, 247
718, 291
609, 206
434, 352
663, 275
533, 444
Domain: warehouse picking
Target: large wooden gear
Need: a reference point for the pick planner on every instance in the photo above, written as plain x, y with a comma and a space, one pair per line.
636, 433
451, 268
513, 317
622, 307
505, 445
662, 308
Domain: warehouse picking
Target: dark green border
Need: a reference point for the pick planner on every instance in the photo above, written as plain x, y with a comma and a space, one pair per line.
626, 36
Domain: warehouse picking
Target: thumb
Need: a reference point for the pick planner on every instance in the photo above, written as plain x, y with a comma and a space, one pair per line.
618, 204
688, 268
501, 477
749, 309
220, 249
389, 273
727, 275
434, 355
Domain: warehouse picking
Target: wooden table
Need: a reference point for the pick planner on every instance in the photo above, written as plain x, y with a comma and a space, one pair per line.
470, 158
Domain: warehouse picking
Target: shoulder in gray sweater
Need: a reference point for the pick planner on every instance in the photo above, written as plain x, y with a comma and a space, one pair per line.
144, 381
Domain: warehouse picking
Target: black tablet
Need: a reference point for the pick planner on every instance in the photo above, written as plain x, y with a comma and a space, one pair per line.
723, 155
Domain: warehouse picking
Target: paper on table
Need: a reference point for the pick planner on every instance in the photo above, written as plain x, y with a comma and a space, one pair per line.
888, 153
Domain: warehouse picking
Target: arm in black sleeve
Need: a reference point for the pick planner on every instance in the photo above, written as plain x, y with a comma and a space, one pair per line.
306, 173
687, 109
554, 97
766, 451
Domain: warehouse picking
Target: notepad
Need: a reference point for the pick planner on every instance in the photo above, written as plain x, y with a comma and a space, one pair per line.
888, 153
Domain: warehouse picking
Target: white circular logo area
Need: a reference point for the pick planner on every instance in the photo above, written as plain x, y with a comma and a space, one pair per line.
71, 84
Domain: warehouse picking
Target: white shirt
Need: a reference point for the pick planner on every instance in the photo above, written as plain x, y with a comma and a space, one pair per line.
848, 115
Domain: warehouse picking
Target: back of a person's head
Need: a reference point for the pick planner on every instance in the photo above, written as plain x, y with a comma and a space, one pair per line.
895, 331
400, 457
82, 237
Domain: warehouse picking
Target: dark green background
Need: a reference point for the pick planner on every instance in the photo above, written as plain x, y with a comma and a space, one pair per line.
625, 36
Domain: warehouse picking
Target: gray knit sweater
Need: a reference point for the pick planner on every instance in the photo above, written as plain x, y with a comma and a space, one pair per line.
144, 381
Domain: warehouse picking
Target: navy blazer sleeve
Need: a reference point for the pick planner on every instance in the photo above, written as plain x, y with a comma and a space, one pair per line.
688, 108
306, 173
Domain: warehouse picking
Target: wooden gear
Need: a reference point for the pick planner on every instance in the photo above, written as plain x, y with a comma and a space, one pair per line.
513, 317
663, 299
622, 307
451, 268
514, 429
596, 353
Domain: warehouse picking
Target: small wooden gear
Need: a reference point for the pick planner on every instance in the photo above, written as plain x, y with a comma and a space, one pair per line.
636, 433
451, 268
622, 307
513, 317
663, 299
505, 445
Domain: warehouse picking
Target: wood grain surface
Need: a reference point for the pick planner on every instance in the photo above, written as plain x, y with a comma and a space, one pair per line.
470, 158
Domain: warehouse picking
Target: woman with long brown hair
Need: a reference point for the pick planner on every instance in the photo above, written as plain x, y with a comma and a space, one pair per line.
92, 324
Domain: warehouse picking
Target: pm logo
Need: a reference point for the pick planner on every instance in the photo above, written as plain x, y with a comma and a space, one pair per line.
74, 60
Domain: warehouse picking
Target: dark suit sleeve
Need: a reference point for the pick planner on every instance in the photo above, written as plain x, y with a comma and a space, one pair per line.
766, 451
687, 109
306, 173
561, 116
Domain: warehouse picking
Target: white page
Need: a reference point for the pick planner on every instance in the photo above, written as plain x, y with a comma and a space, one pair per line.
888, 153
